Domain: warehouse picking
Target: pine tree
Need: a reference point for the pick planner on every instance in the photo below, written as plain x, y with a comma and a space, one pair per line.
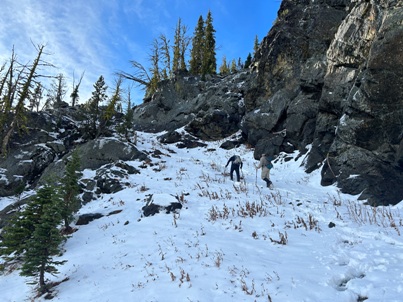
196, 54
45, 239
99, 94
110, 108
22, 225
59, 87
240, 65
155, 71
35, 99
248, 61
177, 47
15, 234
98, 97
255, 45
224, 70
70, 189
33, 236
126, 126
233, 66
209, 64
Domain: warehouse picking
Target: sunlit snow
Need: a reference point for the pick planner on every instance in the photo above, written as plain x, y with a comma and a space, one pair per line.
230, 241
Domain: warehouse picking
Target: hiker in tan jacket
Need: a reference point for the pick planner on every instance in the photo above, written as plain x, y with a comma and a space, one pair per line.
266, 165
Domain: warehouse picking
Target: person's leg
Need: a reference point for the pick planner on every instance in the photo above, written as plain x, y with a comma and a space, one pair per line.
232, 172
238, 177
266, 176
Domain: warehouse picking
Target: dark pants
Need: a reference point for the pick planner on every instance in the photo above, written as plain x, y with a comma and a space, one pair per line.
235, 167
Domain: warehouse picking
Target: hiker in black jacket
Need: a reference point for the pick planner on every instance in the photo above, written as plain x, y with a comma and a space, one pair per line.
236, 163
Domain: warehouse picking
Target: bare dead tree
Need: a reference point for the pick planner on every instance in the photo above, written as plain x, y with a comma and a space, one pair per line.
184, 44
166, 56
140, 75
74, 95
18, 121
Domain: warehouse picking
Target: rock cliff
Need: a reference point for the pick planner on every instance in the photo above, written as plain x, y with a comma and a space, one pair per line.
326, 81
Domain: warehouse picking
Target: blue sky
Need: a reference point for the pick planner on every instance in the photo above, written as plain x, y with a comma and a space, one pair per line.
101, 37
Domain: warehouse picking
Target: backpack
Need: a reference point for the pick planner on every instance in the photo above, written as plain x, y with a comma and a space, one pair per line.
237, 160
269, 165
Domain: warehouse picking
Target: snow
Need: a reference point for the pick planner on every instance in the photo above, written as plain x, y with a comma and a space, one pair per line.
241, 102
343, 120
230, 241
3, 177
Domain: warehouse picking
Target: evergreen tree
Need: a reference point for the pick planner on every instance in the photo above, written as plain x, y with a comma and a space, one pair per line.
233, 66
196, 54
126, 126
248, 61
155, 71
177, 47
255, 45
93, 104
240, 65
59, 87
15, 234
110, 108
22, 225
224, 70
209, 64
99, 94
35, 99
45, 239
33, 236
70, 189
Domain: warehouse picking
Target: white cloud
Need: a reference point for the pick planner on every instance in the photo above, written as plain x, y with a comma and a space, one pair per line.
73, 34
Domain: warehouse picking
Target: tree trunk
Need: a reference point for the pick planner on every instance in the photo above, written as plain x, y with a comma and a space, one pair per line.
42, 285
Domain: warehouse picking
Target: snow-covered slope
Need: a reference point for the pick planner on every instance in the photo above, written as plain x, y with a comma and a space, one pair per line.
230, 241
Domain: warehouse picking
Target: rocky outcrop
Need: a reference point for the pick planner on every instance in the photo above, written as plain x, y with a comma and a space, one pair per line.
329, 76
42, 153
210, 108
32, 152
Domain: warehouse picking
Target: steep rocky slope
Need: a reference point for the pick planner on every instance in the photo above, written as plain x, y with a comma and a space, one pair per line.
326, 81
329, 73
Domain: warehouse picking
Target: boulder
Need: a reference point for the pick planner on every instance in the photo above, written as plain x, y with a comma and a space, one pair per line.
87, 218
105, 150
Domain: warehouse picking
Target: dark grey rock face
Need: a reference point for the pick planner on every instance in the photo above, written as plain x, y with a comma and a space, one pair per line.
330, 73
31, 153
210, 109
365, 64
41, 153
